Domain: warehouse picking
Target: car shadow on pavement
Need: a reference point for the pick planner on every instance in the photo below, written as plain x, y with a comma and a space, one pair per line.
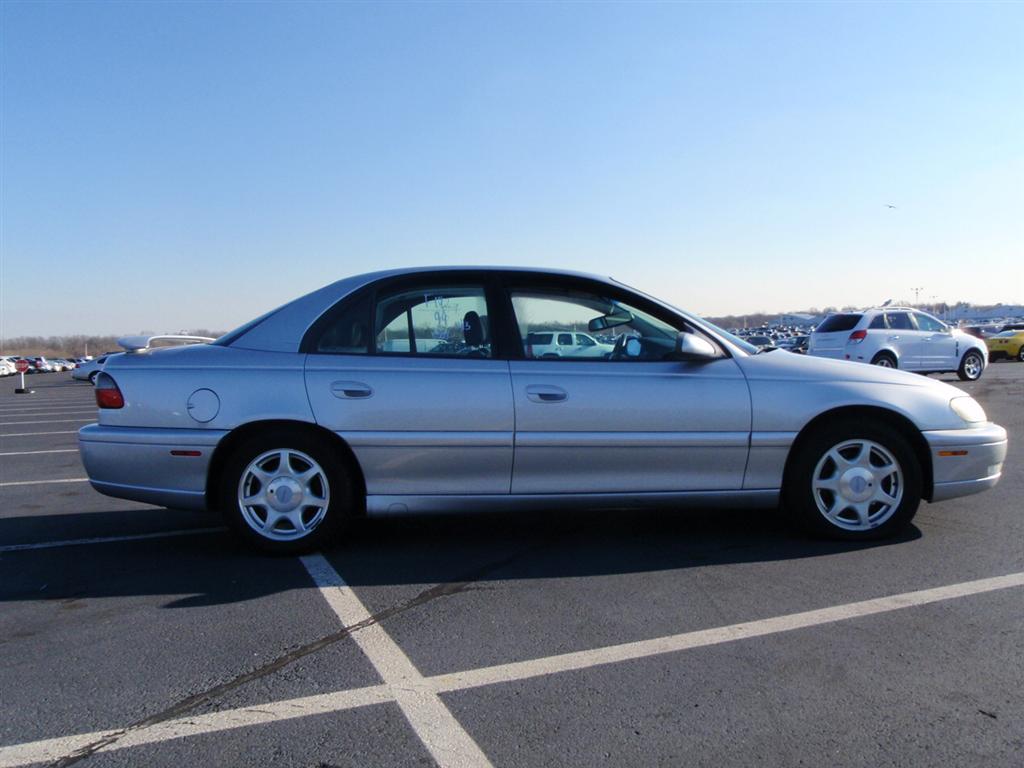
210, 568
570, 544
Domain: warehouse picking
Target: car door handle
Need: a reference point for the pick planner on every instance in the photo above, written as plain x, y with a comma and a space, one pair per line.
894, 338
542, 393
351, 390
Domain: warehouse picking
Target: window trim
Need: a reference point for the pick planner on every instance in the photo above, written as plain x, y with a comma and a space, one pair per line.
493, 297
540, 281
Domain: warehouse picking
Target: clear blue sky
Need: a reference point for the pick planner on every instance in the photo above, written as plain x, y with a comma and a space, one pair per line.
182, 165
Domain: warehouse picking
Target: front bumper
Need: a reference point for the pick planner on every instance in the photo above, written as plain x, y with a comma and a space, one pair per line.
966, 461
138, 464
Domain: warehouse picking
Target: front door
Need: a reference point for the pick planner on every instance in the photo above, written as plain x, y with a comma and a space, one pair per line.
633, 420
937, 347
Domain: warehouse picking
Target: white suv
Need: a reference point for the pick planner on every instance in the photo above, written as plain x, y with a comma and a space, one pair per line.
565, 344
899, 337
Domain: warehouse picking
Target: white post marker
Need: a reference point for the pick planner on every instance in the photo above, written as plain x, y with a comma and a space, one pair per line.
21, 366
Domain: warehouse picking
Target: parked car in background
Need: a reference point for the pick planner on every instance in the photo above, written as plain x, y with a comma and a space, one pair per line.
797, 344
899, 337
7, 366
88, 371
761, 342
302, 419
1009, 343
41, 365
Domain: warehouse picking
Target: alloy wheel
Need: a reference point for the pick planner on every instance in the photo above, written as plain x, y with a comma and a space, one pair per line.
283, 494
857, 485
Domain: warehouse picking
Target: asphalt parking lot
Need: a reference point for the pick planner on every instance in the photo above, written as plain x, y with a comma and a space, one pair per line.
134, 635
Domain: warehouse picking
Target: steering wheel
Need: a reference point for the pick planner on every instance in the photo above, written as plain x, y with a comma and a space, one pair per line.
619, 350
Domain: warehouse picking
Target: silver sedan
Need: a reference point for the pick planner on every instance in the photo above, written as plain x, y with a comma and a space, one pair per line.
417, 391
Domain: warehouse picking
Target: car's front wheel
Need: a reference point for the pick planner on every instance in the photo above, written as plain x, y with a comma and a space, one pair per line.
853, 480
1020, 353
971, 366
286, 492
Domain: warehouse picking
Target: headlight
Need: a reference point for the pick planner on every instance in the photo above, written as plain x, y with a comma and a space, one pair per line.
967, 408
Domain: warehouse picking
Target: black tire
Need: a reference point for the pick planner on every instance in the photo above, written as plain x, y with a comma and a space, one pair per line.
339, 510
92, 377
801, 498
1020, 354
885, 359
972, 365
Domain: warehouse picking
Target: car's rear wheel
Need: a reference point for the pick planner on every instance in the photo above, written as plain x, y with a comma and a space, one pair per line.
1020, 353
286, 492
884, 360
971, 366
853, 480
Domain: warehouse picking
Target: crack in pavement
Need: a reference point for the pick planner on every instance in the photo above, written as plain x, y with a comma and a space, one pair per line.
464, 583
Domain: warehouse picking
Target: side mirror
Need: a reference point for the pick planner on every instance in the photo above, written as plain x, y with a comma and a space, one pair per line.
689, 346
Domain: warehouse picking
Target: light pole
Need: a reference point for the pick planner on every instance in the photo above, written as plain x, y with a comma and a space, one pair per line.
917, 293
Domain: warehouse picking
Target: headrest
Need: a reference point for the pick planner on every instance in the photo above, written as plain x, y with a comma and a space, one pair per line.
472, 329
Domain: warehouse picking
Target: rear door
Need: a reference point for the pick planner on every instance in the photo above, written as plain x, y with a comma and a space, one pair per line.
638, 421
406, 375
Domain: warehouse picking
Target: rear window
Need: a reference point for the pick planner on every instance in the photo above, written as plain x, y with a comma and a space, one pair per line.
837, 323
539, 339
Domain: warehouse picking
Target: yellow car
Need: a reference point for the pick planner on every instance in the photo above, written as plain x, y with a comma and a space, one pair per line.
1006, 344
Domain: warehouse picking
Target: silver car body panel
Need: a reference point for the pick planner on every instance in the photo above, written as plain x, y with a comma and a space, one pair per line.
387, 505
427, 425
435, 433
586, 427
116, 458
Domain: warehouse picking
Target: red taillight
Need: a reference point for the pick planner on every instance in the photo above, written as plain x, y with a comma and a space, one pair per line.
107, 393
857, 337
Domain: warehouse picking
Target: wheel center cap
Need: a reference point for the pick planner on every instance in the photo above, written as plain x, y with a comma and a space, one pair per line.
284, 494
857, 484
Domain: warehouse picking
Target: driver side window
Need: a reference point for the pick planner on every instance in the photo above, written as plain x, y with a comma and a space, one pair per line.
578, 325
930, 324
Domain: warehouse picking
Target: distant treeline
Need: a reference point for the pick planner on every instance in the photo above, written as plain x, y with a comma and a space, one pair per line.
76, 346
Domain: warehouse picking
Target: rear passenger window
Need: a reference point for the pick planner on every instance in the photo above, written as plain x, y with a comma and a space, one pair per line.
899, 321
450, 321
878, 322
565, 339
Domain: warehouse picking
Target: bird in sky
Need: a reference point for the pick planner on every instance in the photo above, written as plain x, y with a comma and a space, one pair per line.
890, 205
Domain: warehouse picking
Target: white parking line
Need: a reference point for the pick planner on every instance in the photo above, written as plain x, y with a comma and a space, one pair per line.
109, 539
447, 741
31, 453
33, 434
45, 482
53, 749
49, 411
46, 421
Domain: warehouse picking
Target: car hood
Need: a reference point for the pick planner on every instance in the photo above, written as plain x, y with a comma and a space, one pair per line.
802, 368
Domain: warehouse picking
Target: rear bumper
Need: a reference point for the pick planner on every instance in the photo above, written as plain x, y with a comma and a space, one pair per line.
138, 464
838, 353
966, 461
